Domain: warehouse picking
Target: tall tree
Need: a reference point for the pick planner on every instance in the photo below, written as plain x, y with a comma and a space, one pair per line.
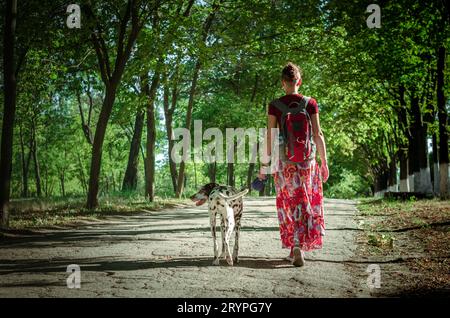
204, 35
134, 16
130, 177
150, 92
9, 110
169, 109
443, 124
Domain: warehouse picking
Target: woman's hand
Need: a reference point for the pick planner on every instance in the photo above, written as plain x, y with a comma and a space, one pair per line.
262, 173
324, 171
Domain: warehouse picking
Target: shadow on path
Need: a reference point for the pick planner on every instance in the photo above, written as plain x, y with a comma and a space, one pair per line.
107, 265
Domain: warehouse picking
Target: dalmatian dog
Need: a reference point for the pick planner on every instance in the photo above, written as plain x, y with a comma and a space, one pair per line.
227, 202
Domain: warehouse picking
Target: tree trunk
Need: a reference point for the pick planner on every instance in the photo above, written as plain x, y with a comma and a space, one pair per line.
130, 177
212, 168
417, 144
250, 171
251, 167
230, 165
381, 181
84, 126
435, 159
105, 188
392, 179
9, 91
37, 172
424, 170
412, 164
168, 115
45, 180
105, 113
82, 176
205, 31
181, 170
185, 180
403, 147
25, 164
422, 179
61, 182
443, 134
195, 176
255, 88
143, 160
150, 92
414, 144
230, 174
403, 159
111, 79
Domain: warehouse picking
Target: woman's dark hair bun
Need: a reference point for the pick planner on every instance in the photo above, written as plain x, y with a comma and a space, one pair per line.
291, 72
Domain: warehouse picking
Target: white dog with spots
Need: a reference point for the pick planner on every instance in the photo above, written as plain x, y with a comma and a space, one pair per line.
227, 202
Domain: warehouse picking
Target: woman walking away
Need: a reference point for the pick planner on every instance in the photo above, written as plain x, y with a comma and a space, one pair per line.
298, 177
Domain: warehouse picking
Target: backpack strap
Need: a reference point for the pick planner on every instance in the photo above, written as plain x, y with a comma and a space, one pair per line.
282, 107
307, 99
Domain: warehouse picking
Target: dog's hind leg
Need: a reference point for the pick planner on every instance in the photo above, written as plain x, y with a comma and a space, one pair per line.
229, 227
212, 220
222, 230
236, 242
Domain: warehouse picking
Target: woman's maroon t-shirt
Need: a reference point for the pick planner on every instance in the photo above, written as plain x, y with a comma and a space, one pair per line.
312, 107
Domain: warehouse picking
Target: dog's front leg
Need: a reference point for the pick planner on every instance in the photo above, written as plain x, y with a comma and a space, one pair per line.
212, 220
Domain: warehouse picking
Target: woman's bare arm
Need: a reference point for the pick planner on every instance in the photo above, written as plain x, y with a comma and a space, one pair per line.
318, 137
271, 123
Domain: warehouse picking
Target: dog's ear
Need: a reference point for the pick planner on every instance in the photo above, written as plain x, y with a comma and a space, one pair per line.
209, 187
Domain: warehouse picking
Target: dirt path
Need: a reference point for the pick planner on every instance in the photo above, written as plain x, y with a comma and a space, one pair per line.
169, 254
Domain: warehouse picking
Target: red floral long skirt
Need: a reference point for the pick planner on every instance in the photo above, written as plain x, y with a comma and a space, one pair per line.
300, 205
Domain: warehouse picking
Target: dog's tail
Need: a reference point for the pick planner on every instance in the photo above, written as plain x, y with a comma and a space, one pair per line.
234, 196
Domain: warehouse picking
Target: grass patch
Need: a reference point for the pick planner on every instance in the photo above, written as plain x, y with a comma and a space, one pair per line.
368, 207
59, 211
395, 214
390, 214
